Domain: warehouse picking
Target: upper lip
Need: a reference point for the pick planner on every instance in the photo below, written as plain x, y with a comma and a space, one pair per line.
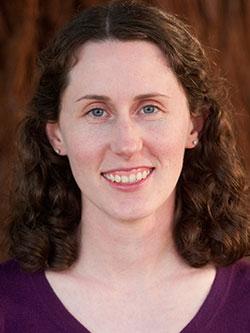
128, 169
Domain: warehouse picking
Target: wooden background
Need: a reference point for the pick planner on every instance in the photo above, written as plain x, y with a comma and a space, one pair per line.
27, 25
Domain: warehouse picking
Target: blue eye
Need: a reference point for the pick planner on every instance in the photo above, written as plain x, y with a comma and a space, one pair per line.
148, 109
97, 112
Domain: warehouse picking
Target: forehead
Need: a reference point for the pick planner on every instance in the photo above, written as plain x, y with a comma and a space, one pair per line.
96, 57
112, 64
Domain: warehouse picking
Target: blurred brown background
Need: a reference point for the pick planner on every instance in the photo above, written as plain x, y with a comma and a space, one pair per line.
27, 25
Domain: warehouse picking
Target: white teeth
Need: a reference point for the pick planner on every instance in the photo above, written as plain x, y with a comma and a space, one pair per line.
138, 176
133, 178
117, 178
124, 179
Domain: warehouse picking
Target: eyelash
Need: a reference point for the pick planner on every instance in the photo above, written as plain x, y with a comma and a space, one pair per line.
90, 112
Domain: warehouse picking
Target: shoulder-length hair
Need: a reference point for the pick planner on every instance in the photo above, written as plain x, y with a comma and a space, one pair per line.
211, 224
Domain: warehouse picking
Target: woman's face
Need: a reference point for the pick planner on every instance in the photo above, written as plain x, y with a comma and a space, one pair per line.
124, 117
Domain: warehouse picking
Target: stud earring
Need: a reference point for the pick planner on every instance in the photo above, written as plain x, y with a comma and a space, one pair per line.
58, 151
194, 142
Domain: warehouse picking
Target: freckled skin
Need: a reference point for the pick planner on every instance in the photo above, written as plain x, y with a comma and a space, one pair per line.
125, 136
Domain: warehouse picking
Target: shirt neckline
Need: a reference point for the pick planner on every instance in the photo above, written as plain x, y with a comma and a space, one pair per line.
62, 317
54, 307
213, 302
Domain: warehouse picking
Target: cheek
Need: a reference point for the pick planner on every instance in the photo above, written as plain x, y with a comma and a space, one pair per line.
168, 138
80, 138
84, 150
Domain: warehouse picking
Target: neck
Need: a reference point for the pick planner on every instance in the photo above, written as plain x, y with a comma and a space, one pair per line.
135, 251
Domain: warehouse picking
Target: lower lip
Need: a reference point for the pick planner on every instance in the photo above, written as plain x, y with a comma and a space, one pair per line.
129, 187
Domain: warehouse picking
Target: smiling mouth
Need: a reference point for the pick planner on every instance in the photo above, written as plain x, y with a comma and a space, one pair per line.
132, 177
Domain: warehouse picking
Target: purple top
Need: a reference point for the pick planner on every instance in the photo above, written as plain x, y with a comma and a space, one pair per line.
29, 304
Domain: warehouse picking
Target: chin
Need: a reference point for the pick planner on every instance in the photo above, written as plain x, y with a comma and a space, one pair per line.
131, 215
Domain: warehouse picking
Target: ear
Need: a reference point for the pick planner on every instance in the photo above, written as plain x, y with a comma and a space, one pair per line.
196, 126
55, 137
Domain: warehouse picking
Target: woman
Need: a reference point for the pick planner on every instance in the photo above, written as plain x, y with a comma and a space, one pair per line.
130, 211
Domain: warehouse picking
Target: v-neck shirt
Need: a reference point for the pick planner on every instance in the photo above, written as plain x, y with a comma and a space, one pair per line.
29, 304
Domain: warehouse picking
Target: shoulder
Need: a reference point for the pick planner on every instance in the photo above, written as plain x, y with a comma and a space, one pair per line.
8, 270
12, 280
10, 273
9, 267
235, 291
18, 300
16, 285
240, 275
227, 306
23, 302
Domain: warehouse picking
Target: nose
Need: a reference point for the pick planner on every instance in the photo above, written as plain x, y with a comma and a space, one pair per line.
126, 138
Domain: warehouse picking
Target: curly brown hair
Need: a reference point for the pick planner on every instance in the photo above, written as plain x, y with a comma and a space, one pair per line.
211, 224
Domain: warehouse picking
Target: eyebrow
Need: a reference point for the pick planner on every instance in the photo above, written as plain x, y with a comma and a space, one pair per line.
106, 98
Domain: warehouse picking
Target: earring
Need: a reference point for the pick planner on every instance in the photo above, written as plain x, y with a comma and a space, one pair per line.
58, 151
194, 142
